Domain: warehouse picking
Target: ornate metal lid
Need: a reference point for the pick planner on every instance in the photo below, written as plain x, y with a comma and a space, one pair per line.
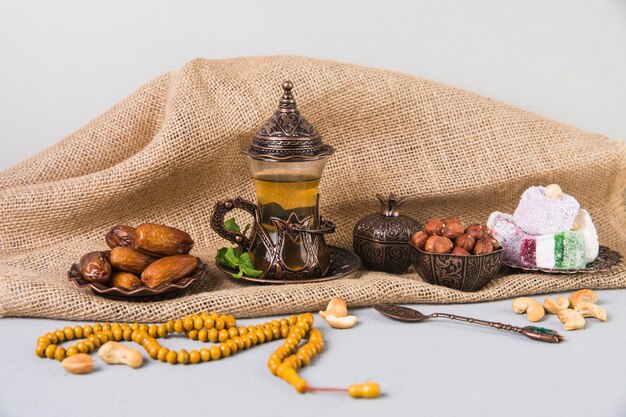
388, 225
287, 136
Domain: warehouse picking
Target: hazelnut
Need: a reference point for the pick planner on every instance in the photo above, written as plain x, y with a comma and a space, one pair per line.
486, 230
419, 239
465, 241
483, 246
438, 244
453, 229
494, 242
460, 251
434, 227
475, 231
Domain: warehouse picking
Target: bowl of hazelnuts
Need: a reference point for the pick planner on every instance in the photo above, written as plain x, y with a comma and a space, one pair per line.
463, 258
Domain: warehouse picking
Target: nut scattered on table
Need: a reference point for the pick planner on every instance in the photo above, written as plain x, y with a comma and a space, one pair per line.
553, 307
587, 309
534, 311
80, 363
571, 319
582, 295
341, 322
115, 353
336, 307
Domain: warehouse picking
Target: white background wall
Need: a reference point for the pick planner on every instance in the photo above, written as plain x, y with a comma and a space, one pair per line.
64, 62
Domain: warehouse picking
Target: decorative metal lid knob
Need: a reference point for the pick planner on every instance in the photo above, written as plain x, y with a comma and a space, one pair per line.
287, 135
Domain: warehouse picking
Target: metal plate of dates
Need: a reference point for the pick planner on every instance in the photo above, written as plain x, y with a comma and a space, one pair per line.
143, 291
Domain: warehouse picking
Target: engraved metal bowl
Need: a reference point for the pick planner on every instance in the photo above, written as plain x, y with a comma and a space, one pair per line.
464, 273
75, 276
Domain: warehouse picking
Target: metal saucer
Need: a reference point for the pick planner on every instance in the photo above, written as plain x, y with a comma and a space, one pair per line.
607, 259
342, 263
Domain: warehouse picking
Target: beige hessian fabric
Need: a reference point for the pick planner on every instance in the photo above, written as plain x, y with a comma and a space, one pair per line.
170, 150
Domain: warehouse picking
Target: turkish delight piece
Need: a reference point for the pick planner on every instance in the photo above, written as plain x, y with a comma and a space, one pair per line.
527, 252
509, 235
569, 250
545, 251
546, 210
584, 225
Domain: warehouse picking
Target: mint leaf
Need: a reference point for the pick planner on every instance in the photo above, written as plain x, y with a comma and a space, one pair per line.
245, 229
250, 272
232, 225
219, 256
238, 274
231, 258
245, 260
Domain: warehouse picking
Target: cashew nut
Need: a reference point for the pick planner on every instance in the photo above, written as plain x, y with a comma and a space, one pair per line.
582, 295
571, 319
553, 307
587, 309
337, 307
340, 322
115, 353
81, 363
534, 311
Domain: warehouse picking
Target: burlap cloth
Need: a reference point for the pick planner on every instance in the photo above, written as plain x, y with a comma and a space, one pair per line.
170, 150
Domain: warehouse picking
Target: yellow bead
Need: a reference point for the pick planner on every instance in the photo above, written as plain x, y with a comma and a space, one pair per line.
204, 315
276, 333
205, 355
102, 337
90, 346
239, 343
366, 390
162, 330
253, 338
162, 355
170, 326
246, 342
203, 335
52, 337
60, 336
303, 325
69, 333
213, 335
127, 333
214, 316
153, 351
194, 356
225, 350
183, 357
71, 351
40, 350
198, 323
192, 334
284, 331
80, 332
209, 323
293, 320
284, 322
230, 322
134, 326
242, 330
82, 347
188, 323
232, 346
219, 323
178, 326
97, 328
143, 327
117, 334
50, 351
59, 354
106, 326
172, 356
216, 353
43, 340
222, 335
233, 332
153, 330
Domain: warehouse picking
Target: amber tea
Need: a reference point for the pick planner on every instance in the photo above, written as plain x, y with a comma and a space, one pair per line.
280, 196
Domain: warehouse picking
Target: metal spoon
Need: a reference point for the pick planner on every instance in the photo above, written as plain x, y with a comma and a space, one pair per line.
407, 314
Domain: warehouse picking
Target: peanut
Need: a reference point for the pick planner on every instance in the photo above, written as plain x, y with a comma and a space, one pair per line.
115, 353
81, 363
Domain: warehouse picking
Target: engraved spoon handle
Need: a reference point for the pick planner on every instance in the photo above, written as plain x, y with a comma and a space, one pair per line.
535, 333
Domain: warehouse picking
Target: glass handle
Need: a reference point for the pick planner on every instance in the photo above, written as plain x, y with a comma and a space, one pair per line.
217, 220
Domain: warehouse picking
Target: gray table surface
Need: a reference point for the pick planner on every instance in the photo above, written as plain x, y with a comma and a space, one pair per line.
435, 368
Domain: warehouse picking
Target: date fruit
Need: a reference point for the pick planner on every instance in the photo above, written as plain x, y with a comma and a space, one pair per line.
126, 281
120, 235
129, 260
168, 269
95, 267
159, 240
